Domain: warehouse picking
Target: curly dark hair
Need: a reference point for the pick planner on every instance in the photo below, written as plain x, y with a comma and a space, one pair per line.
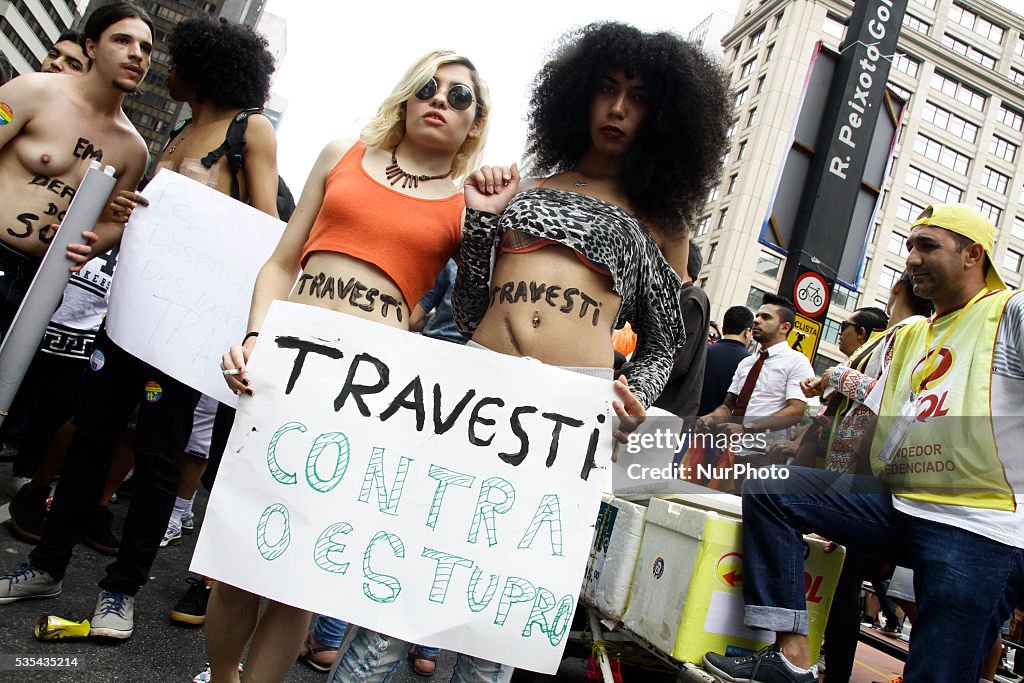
226, 63
676, 157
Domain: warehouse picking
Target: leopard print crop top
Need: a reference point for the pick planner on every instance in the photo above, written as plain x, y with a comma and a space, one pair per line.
602, 233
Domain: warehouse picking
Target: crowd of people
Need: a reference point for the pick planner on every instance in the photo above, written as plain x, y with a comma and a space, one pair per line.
626, 132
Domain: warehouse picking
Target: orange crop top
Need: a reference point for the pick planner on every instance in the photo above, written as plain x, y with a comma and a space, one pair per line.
409, 238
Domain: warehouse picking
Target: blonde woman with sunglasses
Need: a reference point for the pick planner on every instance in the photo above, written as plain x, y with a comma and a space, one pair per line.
401, 178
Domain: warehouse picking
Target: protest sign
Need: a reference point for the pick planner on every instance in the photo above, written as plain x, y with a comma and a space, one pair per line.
184, 279
440, 494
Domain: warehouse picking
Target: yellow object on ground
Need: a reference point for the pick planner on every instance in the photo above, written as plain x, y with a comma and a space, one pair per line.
58, 628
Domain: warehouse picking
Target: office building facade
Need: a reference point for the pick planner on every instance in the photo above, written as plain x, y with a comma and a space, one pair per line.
960, 65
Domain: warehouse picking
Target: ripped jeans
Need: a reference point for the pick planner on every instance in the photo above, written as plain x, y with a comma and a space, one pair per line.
374, 657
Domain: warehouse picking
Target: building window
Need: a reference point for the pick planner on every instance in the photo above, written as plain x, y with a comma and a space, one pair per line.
760, 85
915, 24
834, 27
973, 22
949, 121
741, 151
1017, 76
994, 180
898, 244
769, 264
907, 65
747, 68
936, 151
930, 4
732, 183
712, 252
936, 187
844, 298
908, 211
1011, 261
721, 217
990, 211
822, 363
889, 277
899, 90
778, 21
1018, 48
950, 86
972, 53
756, 37
740, 98
1017, 230
713, 194
830, 331
755, 297
770, 52
703, 225
1004, 149
1010, 117
733, 128
751, 115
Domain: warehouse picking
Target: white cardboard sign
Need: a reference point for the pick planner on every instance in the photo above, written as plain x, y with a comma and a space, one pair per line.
185, 276
440, 494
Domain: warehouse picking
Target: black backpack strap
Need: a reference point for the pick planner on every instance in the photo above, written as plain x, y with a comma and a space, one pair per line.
176, 131
234, 147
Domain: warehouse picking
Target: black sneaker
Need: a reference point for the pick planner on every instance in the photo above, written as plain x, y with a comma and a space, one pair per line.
100, 534
191, 608
28, 512
765, 666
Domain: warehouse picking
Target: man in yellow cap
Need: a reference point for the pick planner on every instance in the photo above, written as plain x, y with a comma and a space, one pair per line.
947, 498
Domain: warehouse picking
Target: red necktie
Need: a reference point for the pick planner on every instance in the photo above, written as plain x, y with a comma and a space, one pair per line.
748, 386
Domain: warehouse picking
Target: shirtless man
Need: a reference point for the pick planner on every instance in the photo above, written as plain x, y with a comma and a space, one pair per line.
205, 74
50, 129
66, 55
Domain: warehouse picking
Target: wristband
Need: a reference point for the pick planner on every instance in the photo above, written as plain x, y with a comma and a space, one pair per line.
250, 334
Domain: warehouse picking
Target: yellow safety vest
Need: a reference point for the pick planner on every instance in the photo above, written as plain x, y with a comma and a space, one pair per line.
949, 455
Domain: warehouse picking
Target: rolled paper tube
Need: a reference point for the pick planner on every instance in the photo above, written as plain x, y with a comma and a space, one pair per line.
47, 288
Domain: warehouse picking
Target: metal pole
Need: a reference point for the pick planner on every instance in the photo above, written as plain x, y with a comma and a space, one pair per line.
47, 288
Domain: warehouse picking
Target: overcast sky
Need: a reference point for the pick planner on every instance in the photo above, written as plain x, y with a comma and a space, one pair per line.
343, 58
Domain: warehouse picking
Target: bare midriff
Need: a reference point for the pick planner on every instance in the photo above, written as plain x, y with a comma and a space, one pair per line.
548, 305
349, 285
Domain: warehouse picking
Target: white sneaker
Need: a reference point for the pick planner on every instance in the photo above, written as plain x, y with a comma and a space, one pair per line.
188, 523
173, 534
114, 616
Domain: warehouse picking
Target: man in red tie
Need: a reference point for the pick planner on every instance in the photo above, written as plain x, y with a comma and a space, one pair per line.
765, 398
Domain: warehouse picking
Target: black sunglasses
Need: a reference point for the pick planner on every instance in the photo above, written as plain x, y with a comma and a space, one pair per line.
460, 96
846, 323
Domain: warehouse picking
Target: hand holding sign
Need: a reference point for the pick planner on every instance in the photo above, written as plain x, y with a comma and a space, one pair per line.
412, 486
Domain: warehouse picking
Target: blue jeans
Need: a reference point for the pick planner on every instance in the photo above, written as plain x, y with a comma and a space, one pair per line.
374, 657
330, 632
966, 584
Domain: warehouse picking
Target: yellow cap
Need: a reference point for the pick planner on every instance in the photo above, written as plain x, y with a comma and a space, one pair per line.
969, 222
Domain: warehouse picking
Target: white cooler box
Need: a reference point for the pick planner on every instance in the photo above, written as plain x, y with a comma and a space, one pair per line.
687, 595
617, 536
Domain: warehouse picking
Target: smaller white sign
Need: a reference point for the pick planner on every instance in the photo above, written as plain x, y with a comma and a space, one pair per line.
185, 275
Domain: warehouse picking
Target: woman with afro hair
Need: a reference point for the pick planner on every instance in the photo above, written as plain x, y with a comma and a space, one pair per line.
221, 68
629, 129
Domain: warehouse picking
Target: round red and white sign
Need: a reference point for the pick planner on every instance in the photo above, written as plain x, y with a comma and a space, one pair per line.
810, 294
